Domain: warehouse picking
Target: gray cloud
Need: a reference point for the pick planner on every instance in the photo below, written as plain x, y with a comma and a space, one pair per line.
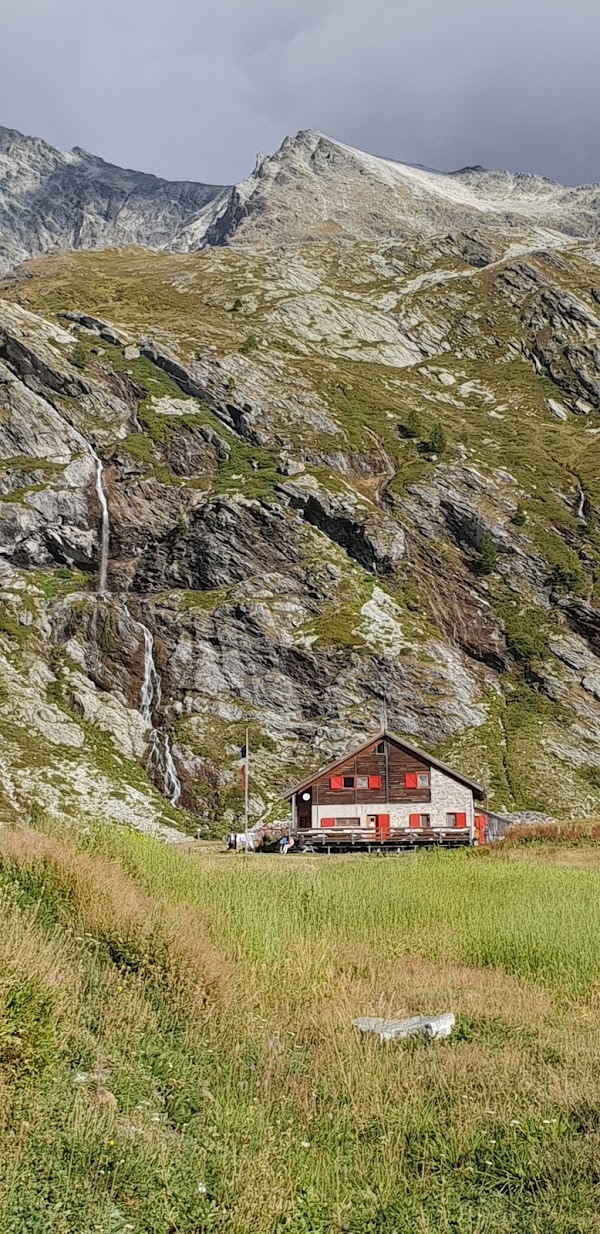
192, 90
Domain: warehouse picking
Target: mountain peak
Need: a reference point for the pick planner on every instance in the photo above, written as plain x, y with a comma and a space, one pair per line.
313, 187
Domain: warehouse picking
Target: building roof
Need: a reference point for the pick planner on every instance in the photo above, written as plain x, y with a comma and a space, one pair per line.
477, 789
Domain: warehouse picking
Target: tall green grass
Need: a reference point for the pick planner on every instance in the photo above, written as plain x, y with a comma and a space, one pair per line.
207, 1002
532, 921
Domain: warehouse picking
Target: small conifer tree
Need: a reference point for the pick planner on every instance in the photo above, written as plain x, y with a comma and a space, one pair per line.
77, 355
413, 423
488, 555
439, 441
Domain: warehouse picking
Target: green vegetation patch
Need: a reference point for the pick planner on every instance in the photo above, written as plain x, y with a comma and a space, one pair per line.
527, 630
206, 601
140, 447
23, 462
59, 581
13, 628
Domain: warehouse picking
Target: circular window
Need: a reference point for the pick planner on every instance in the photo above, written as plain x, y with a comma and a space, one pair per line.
306, 796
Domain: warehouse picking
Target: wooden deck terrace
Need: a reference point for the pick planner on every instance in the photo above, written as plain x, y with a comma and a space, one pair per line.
353, 841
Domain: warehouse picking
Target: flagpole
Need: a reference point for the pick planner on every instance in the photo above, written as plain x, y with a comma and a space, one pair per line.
246, 788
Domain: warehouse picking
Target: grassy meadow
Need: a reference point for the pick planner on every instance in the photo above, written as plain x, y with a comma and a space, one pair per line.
177, 1052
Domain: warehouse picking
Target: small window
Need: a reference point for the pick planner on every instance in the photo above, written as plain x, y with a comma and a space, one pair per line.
380, 747
348, 781
425, 820
423, 779
362, 781
346, 822
456, 820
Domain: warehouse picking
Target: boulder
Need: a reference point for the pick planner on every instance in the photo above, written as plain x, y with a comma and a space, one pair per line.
370, 537
433, 1028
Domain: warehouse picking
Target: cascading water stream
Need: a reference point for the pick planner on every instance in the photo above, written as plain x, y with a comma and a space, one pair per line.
150, 696
105, 532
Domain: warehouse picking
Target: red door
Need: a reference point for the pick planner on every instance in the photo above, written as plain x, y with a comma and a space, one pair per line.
480, 821
383, 826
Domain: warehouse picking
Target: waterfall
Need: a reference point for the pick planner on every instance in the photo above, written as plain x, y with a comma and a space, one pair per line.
172, 785
160, 756
581, 505
105, 533
160, 748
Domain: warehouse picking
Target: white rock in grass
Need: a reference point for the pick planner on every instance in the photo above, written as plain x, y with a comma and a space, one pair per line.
557, 409
433, 1027
591, 683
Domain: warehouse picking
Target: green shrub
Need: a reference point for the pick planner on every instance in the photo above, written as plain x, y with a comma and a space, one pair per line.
488, 555
568, 577
26, 1027
249, 345
77, 355
412, 425
526, 634
9, 625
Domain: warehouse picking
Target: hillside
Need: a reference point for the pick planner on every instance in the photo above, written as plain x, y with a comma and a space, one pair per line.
283, 481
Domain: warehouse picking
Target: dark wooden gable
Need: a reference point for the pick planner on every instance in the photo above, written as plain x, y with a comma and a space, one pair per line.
392, 763
384, 763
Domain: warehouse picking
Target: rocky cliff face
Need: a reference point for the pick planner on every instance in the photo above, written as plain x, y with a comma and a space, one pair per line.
50, 199
311, 188
325, 476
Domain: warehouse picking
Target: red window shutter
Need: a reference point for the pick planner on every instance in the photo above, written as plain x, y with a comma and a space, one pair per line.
461, 820
414, 820
336, 782
410, 779
374, 781
328, 822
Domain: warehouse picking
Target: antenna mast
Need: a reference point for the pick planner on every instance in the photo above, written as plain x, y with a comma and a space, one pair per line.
246, 787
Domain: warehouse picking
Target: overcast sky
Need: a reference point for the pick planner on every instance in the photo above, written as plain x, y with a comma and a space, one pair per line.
193, 89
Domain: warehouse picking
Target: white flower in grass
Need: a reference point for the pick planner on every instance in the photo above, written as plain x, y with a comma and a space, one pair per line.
201, 1189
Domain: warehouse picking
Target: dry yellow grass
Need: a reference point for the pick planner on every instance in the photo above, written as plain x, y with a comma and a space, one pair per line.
135, 927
